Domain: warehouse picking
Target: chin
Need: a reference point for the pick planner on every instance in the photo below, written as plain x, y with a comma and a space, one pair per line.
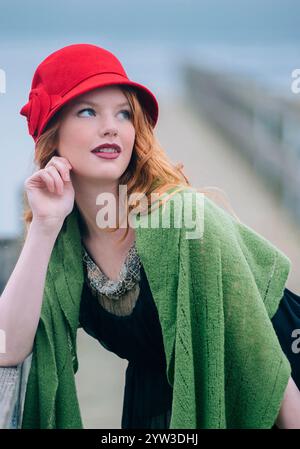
102, 176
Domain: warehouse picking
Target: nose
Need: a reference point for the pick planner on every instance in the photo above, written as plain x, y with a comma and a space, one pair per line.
108, 128
110, 132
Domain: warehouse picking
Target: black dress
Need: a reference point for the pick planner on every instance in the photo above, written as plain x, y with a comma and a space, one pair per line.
286, 323
138, 338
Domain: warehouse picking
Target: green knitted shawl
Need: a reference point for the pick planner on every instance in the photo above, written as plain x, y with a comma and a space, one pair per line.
215, 295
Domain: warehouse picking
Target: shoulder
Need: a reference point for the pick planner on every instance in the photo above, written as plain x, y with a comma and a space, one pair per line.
191, 206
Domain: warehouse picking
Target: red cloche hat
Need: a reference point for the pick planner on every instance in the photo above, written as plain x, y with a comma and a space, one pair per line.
72, 71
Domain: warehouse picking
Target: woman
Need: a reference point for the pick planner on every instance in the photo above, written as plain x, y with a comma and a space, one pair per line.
191, 312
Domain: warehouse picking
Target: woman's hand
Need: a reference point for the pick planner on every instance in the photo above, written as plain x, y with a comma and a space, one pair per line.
50, 192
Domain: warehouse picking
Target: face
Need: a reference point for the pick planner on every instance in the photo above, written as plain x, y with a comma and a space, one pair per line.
98, 117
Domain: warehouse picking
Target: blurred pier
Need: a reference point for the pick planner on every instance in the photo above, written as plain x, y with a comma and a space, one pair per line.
264, 128
229, 135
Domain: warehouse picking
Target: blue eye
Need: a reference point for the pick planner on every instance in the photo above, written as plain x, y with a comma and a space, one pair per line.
124, 111
127, 113
86, 109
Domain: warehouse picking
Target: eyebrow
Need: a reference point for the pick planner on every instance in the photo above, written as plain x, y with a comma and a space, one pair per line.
91, 103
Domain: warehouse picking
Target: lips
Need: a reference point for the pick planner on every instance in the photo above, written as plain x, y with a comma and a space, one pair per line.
107, 145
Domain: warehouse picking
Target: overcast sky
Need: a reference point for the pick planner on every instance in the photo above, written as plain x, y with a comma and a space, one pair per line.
160, 19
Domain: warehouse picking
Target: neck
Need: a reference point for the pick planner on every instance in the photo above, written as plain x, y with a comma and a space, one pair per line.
86, 194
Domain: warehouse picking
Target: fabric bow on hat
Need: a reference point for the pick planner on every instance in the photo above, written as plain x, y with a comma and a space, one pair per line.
40, 104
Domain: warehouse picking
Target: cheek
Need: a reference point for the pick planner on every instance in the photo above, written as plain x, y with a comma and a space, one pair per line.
70, 132
130, 138
70, 138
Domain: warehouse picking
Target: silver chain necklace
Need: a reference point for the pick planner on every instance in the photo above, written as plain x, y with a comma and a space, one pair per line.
129, 275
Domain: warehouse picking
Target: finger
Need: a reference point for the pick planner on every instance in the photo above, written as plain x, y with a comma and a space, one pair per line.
59, 184
63, 160
62, 166
48, 180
